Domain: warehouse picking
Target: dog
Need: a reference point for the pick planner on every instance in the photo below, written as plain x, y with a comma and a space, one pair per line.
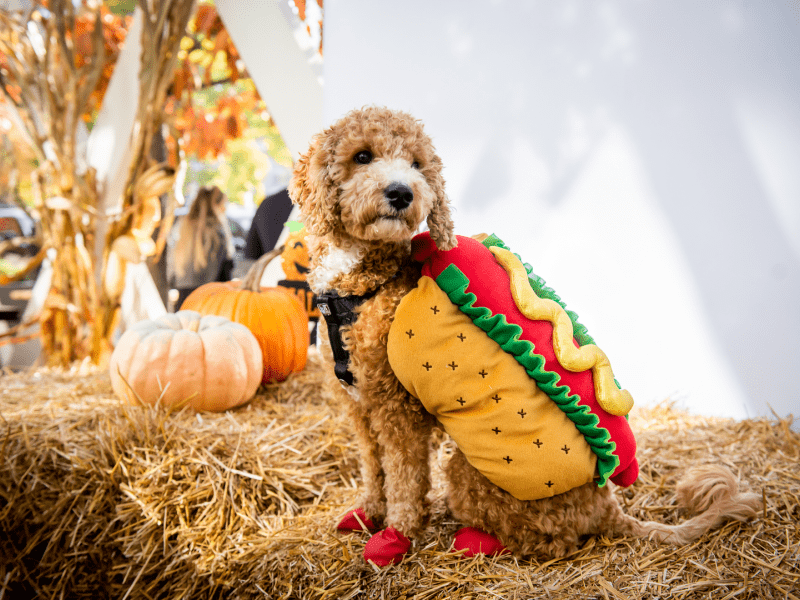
364, 188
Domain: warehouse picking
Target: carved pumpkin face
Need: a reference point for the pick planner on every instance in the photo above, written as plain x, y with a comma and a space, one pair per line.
295, 260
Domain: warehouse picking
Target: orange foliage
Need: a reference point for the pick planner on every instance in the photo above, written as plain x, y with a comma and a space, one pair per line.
206, 19
115, 29
13, 89
205, 131
301, 12
301, 8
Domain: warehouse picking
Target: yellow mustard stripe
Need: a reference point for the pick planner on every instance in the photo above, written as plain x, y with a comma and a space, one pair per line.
611, 399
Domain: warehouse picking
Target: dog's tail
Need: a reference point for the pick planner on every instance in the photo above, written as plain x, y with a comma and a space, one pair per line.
711, 492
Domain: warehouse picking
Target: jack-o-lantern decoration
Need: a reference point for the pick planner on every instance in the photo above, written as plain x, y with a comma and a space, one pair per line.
295, 263
294, 258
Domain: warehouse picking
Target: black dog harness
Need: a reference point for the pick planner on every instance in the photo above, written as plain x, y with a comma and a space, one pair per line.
338, 312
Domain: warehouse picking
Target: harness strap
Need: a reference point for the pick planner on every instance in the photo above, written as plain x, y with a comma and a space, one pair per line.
339, 311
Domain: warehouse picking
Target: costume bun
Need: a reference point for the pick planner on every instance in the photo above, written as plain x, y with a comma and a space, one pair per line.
510, 373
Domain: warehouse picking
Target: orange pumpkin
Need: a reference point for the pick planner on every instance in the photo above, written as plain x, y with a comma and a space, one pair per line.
274, 315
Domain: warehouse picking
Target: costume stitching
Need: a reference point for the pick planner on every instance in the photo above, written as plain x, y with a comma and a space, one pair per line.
454, 283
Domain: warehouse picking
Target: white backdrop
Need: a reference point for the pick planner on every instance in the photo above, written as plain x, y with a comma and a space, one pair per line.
643, 156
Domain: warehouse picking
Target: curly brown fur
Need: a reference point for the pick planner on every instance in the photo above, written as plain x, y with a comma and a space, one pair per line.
553, 527
360, 242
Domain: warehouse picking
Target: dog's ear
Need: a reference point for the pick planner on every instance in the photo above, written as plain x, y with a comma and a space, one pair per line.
299, 186
312, 189
440, 223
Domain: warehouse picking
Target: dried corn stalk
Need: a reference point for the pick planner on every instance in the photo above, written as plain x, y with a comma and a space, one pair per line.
129, 237
49, 86
48, 90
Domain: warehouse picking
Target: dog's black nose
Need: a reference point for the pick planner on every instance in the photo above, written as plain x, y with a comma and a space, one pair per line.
399, 195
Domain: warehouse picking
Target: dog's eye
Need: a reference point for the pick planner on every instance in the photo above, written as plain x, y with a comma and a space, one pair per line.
415, 165
363, 158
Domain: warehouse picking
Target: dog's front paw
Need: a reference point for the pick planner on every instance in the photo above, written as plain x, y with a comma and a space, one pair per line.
356, 520
474, 541
387, 547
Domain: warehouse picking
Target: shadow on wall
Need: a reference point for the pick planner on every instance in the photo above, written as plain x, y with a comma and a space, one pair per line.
672, 84
705, 92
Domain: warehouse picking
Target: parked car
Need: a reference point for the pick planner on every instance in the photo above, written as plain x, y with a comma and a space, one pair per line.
14, 296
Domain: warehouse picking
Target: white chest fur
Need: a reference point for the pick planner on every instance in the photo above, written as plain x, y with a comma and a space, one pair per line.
337, 261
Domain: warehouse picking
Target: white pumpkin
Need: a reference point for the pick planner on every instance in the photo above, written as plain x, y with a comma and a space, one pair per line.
208, 362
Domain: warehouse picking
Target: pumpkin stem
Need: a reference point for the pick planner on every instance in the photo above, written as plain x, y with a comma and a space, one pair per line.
252, 280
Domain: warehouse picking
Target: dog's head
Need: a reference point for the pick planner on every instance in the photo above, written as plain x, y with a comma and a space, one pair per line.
373, 176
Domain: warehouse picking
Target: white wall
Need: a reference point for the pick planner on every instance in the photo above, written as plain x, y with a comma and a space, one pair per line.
285, 74
641, 155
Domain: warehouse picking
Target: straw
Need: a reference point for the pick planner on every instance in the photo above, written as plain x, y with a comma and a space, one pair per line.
101, 499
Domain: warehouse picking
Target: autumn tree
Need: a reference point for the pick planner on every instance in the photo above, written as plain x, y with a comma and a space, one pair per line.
216, 115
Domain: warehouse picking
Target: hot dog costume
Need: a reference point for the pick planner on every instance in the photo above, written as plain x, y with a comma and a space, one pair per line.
511, 375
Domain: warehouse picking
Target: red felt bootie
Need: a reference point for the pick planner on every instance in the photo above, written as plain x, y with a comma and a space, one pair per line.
387, 547
474, 541
356, 520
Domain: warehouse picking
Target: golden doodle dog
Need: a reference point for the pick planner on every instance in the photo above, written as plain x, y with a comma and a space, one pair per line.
364, 188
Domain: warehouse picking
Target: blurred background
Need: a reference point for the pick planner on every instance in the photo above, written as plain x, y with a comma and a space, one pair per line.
642, 156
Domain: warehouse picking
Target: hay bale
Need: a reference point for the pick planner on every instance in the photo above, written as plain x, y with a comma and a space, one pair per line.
105, 500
